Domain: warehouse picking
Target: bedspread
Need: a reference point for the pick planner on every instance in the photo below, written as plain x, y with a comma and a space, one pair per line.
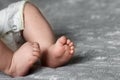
94, 27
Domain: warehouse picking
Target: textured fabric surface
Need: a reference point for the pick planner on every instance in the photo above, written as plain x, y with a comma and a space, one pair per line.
94, 26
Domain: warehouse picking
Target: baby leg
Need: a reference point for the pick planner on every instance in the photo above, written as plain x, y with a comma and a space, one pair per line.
37, 29
5, 57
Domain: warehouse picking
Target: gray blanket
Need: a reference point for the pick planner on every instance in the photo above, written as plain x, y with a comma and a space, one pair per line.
94, 26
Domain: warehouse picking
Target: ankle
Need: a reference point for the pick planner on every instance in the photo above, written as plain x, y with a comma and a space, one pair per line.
7, 69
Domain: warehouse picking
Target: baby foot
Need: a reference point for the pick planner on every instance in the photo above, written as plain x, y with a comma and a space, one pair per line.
59, 53
24, 58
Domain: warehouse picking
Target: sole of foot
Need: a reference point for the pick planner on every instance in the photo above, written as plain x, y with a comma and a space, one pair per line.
59, 53
24, 58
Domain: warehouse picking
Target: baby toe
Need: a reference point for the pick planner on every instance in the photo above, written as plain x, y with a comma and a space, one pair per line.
36, 54
71, 44
72, 47
61, 41
71, 52
35, 44
68, 41
36, 49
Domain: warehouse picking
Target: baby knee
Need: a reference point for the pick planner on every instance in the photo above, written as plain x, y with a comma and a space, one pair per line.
30, 7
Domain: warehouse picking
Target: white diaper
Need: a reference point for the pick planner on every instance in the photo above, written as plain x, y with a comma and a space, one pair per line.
11, 23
